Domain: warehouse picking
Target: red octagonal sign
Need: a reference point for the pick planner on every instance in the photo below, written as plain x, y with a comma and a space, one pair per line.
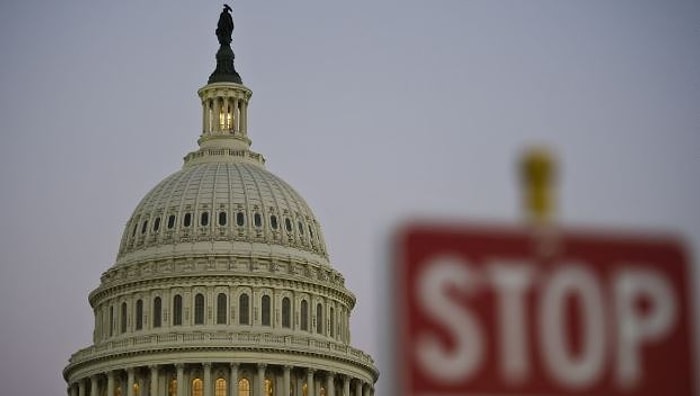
490, 310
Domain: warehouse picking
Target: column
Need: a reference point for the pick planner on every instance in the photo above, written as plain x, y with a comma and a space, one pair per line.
154, 381
207, 379
81, 387
234, 116
244, 118
259, 391
205, 116
217, 115
358, 388
233, 379
72, 390
180, 379
346, 385
93, 385
110, 383
130, 381
310, 382
368, 388
330, 384
224, 111
286, 380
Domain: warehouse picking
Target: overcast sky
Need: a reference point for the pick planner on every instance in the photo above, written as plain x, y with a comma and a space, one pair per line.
372, 110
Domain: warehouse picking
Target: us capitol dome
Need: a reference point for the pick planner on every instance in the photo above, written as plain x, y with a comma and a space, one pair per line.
222, 284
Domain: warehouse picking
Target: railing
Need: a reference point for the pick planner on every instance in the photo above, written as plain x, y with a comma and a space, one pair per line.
222, 339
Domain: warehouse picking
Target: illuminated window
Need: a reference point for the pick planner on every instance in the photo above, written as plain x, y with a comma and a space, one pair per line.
225, 118
221, 308
265, 310
268, 387
304, 390
220, 387
222, 218
243, 387
304, 315
139, 314
286, 313
177, 310
332, 315
118, 390
157, 312
122, 328
322, 392
197, 387
319, 319
243, 309
199, 309
137, 390
172, 387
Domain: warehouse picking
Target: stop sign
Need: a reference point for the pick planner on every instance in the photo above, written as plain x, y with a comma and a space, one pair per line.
489, 310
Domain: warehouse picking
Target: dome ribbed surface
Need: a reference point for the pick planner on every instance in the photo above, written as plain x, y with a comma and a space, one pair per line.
230, 202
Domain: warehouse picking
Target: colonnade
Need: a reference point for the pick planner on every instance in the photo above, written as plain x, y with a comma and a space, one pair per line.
225, 114
220, 379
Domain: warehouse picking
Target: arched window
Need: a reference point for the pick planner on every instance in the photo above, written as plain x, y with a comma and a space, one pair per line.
304, 315
204, 219
171, 222
139, 314
265, 310
199, 309
144, 227
243, 387
243, 309
240, 219
319, 318
323, 391
273, 222
122, 328
268, 387
257, 220
157, 312
332, 317
305, 390
187, 221
221, 308
288, 224
177, 310
222, 218
111, 321
286, 313
137, 390
197, 387
220, 387
172, 387
118, 390
156, 224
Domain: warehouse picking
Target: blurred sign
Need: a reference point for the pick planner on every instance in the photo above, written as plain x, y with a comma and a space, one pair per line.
504, 311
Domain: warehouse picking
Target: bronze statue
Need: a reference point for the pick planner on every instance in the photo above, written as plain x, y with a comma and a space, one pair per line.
224, 28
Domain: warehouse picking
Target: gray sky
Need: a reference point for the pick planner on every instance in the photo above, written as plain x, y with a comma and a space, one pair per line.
372, 110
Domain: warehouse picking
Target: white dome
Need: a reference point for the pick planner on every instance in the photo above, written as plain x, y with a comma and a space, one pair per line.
222, 208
